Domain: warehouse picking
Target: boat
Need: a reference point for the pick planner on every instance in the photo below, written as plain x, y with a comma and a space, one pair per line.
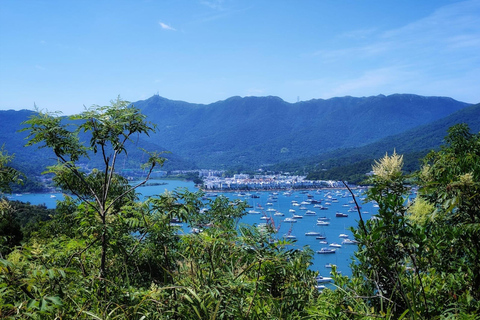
297, 216
253, 211
349, 241
326, 251
278, 214
323, 242
291, 210
312, 233
341, 215
291, 220
324, 279
343, 235
303, 208
329, 265
320, 287
323, 219
320, 237
310, 213
335, 245
323, 223
289, 235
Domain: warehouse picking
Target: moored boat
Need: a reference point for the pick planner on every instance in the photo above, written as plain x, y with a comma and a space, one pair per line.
326, 251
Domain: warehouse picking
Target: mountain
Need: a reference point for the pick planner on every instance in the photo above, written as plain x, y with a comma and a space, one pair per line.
33, 160
254, 131
245, 133
413, 144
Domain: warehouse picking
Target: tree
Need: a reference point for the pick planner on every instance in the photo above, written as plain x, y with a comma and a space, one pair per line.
418, 258
101, 192
10, 231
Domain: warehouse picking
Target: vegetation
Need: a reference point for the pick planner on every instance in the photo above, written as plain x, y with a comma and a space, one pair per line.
107, 255
420, 260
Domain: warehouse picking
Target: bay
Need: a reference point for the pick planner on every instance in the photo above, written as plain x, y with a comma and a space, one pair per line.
266, 204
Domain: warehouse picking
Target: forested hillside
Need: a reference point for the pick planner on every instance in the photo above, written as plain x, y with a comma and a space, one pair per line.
254, 131
352, 164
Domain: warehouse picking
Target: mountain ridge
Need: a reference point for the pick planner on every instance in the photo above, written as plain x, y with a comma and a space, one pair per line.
250, 132
259, 130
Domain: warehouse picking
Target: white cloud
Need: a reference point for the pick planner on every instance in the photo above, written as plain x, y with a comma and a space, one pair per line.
214, 4
166, 26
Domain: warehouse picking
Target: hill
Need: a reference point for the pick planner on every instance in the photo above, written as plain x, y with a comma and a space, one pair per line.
254, 131
33, 161
351, 164
246, 133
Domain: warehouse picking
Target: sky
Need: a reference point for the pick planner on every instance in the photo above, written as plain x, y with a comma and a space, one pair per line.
68, 55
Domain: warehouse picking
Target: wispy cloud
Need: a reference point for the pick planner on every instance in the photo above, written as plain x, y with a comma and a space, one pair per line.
214, 4
166, 26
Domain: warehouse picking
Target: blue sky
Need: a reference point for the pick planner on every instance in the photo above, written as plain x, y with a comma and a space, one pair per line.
64, 55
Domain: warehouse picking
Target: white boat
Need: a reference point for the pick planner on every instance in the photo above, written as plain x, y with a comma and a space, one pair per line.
335, 245
349, 241
312, 233
291, 210
343, 235
290, 237
323, 219
278, 214
323, 242
324, 279
323, 223
326, 251
253, 212
303, 208
291, 220
297, 216
310, 213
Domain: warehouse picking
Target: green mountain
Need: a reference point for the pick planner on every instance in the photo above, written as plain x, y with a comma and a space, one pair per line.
352, 164
32, 160
255, 131
245, 133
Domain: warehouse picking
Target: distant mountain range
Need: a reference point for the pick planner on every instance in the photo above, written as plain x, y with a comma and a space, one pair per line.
246, 133
258, 131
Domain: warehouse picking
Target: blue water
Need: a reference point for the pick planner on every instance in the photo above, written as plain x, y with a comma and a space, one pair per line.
342, 256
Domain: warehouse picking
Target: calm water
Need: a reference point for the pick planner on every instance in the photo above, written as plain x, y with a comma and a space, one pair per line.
281, 203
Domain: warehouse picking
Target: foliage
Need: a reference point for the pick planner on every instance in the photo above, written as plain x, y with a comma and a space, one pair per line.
421, 261
8, 175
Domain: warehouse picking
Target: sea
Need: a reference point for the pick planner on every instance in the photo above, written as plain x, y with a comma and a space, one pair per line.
266, 203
